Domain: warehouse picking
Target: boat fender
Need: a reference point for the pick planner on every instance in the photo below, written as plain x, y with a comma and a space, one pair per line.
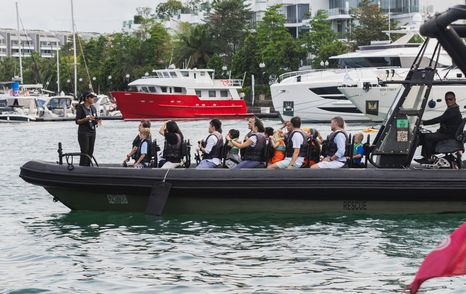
158, 197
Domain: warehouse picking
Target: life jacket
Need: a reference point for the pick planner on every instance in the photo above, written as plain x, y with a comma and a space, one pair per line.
148, 156
173, 152
329, 147
256, 153
216, 151
289, 144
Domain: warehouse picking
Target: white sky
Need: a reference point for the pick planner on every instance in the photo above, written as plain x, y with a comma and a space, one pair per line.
102, 16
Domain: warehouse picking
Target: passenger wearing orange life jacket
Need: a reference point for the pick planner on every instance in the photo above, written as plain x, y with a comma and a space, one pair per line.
296, 146
212, 146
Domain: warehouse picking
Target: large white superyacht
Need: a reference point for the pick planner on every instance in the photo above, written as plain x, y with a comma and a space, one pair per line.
314, 95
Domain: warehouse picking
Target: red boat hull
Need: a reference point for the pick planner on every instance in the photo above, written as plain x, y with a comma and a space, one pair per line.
137, 105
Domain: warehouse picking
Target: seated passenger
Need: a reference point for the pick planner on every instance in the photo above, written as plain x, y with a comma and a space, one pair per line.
358, 150
296, 146
136, 142
254, 147
449, 122
143, 154
212, 146
232, 158
171, 155
278, 144
333, 149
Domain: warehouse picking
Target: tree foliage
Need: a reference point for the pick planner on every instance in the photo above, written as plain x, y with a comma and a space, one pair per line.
228, 22
195, 45
167, 10
276, 47
321, 41
370, 22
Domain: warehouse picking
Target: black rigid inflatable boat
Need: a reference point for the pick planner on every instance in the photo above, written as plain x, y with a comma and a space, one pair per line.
253, 190
393, 185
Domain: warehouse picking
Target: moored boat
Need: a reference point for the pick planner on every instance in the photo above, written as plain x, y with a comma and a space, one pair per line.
181, 93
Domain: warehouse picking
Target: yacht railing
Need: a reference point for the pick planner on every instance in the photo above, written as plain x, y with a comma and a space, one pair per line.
229, 83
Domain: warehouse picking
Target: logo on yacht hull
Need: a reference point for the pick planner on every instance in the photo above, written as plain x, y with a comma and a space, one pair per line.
288, 108
372, 107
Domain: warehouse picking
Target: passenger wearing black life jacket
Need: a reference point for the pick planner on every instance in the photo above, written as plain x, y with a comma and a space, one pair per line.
86, 118
296, 146
143, 154
253, 147
212, 146
172, 153
333, 149
137, 142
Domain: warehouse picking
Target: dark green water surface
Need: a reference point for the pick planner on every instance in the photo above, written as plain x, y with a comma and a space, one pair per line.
46, 248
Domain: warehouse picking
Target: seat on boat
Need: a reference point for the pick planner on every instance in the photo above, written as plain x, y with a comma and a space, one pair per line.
453, 148
453, 145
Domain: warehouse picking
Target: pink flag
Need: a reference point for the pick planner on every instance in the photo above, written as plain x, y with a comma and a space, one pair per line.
448, 259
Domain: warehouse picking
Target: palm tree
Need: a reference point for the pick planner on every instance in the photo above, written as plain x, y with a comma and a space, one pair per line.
195, 44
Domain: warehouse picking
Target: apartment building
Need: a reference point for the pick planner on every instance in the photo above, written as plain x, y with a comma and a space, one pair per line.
46, 43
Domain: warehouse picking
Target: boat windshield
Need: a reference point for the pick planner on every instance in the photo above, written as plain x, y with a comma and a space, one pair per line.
356, 62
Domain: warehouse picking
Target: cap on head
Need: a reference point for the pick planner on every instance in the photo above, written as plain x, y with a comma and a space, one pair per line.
88, 94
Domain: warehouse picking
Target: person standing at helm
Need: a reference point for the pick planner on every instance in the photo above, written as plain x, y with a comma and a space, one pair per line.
212, 146
86, 118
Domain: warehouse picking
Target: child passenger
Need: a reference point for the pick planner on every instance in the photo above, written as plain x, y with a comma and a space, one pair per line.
143, 157
358, 150
233, 158
278, 143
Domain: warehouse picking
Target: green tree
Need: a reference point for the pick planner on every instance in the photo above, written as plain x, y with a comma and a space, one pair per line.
370, 22
245, 60
195, 45
167, 10
216, 63
321, 40
276, 47
227, 22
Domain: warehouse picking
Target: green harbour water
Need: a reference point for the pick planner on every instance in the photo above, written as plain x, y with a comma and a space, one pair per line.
46, 248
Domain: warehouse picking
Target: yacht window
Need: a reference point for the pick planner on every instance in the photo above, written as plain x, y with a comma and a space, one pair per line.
198, 93
173, 74
133, 89
212, 93
170, 89
152, 90
202, 73
178, 90
144, 89
165, 74
184, 73
223, 93
159, 75
194, 75
356, 62
164, 89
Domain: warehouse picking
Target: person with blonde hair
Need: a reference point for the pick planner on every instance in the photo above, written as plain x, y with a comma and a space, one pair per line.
143, 154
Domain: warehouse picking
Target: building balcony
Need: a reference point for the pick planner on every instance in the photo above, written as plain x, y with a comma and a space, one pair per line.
338, 13
289, 2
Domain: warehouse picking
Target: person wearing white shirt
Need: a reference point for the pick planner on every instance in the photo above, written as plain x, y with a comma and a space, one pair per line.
212, 146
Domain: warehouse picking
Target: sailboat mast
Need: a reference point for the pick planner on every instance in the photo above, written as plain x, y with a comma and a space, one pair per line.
19, 42
58, 70
74, 52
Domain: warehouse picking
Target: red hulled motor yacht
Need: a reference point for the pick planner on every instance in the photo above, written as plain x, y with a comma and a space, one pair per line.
181, 93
